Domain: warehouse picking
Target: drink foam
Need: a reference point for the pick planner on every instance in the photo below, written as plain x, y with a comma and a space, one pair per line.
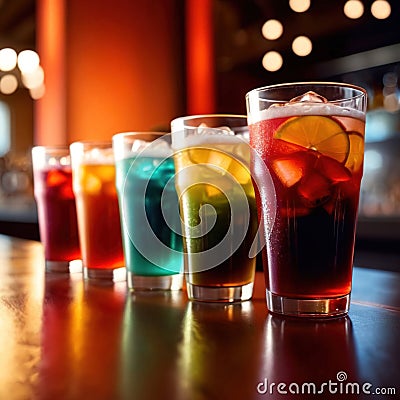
98, 157
158, 148
302, 109
208, 139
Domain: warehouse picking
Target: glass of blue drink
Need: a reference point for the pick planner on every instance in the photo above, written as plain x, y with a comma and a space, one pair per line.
149, 210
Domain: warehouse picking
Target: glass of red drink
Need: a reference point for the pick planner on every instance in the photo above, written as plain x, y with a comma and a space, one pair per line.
307, 164
56, 206
93, 176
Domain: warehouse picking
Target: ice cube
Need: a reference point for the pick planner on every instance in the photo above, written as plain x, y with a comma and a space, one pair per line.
56, 177
66, 160
138, 145
289, 171
106, 173
241, 153
333, 170
99, 156
66, 192
309, 97
92, 184
315, 189
204, 129
159, 148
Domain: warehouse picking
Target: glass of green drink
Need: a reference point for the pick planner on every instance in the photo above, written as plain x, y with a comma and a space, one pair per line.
217, 204
149, 210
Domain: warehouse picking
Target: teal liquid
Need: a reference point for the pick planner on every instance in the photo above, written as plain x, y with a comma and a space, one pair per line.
147, 199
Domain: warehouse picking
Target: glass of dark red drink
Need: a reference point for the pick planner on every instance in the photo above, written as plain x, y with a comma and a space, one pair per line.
308, 142
56, 206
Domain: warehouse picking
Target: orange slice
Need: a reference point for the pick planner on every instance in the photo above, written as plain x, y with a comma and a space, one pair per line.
222, 162
356, 152
318, 133
208, 156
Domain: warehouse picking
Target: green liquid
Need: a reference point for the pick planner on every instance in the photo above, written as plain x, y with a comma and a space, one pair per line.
238, 268
146, 194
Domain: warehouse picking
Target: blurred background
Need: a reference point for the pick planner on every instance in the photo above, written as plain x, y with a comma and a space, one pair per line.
72, 70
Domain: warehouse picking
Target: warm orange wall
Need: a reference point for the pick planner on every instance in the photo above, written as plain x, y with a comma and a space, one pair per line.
123, 67
50, 111
200, 64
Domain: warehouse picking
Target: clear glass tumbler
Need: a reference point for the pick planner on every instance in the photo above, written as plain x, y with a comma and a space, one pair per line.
149, 210
308, 141
56, 206
217, 204
93, 173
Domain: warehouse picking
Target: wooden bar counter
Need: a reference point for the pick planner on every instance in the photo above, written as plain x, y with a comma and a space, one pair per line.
63, 338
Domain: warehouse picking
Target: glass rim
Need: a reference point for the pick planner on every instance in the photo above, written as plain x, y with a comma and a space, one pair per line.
84, 144
50, 148
207, 115
133, 134
53, 151
41, 156
361, 92
184, 123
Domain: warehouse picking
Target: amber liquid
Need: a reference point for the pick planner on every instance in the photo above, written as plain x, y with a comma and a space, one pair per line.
309, 247
98, 216
221, 180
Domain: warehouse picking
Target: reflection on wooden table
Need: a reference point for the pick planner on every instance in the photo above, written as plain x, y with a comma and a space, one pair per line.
62, 338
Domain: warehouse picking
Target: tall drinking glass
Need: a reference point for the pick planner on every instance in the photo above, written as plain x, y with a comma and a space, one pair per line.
149, 210
93, 173
217, 204
308, 162
56, 206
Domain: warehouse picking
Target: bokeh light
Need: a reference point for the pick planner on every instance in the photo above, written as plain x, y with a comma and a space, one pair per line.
8, 84
381, 9
272, 61
28, 61
8, 59
353, 9
29, 74
37, 92
33, 79
299, 5
302, 46
272, 29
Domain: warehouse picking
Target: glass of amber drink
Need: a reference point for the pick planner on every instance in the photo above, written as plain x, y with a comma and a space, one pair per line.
93, 176
308, 148
217, 206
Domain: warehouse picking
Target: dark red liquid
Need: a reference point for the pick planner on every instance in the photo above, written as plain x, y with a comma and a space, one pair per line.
57, 214
309, 247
